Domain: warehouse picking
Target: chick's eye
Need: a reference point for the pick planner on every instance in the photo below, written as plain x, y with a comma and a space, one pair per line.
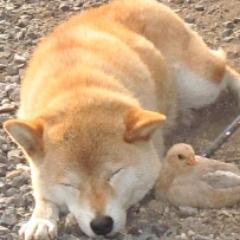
181, 157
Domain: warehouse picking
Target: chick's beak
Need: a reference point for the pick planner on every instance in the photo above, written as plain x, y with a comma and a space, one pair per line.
192, 161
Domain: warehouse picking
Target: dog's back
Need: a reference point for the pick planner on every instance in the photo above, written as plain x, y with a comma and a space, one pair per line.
100, 50
143, 45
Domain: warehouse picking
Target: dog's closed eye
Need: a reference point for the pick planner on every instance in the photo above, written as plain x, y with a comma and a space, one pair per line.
68, 185
115, 173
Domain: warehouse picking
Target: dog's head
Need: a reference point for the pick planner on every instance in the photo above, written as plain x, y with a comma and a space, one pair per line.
96, 162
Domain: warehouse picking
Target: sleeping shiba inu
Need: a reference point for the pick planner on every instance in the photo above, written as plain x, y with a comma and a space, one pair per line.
99, 95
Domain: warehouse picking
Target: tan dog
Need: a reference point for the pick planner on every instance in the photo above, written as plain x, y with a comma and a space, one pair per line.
190, 180
94, 94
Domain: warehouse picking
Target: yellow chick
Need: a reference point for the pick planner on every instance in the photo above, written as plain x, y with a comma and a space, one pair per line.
189, 180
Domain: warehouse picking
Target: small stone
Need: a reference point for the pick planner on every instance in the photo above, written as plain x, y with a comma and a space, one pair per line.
159, 230
156, 206
2, 141
148, 236
23, 167
26, 201
19, 59
191, 233
177, 10
134, 230
7, 108
3, 169
3, 158
200, 237
190, 19
12, 79
79, 3
183, 236
4, 117
5, 147
236, 20
76, 9
14, 155
5, 101
178, 1
13, 92
227, 32
2, 66
2, 200
20, 66
20, 35
3, 94
32, 35
12, 70
142, 210
15, 201
228, 39
20, 180
19, 3
4, 55
199, 7
11, 200
10, 87
3, 61
11, 192
3, 36
8, 218
26, 188
22, 23
11, 236
187, 211
228, 24
14, 173
166, 210
4, 230
2, 185
64, 7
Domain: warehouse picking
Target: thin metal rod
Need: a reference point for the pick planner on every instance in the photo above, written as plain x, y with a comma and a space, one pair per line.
222, 138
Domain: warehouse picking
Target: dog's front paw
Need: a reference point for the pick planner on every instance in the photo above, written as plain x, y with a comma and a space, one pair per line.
38, 229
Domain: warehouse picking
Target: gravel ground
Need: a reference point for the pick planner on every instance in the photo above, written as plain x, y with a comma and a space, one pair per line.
22, 24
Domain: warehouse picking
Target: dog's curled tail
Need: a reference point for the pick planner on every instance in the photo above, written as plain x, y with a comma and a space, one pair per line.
231, 76
232, 79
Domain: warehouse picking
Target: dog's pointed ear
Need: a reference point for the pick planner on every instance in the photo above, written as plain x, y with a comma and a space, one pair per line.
27, 134
140, 124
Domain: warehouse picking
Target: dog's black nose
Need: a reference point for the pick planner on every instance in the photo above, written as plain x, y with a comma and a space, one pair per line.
102, 225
